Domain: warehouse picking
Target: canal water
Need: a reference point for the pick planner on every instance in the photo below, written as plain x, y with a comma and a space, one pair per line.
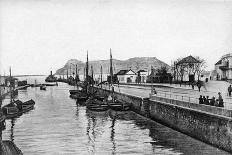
59, 125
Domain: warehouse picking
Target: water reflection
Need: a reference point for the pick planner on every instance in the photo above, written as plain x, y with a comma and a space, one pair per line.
12, 129
112, 136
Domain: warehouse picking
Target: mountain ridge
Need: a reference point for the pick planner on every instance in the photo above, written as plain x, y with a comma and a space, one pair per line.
135, 63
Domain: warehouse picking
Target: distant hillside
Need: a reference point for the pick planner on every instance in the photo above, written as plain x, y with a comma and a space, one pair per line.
135, 64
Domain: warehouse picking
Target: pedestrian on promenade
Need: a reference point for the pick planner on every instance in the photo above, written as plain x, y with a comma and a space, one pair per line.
193, 85
153, 91
200, 100
199, 85
220, 100
229, 90
212, 101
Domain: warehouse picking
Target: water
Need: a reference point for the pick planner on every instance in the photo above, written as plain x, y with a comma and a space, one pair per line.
58, 125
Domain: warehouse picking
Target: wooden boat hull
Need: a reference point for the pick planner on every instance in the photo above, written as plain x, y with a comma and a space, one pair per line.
117, 106
26, 106
98, 108
79, 97
10, 111
96, 105
101, 98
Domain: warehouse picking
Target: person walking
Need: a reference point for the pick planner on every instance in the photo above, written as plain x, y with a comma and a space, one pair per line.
199, 85
193, 85
229, 90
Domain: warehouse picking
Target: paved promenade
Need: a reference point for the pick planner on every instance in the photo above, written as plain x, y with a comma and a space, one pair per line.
184, 92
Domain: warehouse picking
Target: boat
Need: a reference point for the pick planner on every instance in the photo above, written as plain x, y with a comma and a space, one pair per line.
96, 105
10, 110
118, 106
100, 97
51, 78
25, 106
79, 97
75, 91
51, 84
42, 87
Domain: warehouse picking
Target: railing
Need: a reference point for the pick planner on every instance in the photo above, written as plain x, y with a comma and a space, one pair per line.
188, 99
178, 97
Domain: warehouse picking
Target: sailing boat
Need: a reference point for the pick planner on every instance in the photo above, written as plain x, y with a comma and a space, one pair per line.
95, 102
112, 102
10, 110
81, 95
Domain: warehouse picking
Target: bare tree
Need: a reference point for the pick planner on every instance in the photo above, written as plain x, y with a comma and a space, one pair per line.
200, 67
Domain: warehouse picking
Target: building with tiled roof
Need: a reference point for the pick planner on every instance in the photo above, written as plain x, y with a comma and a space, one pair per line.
126, 76
224, 67
187, 66
188, 60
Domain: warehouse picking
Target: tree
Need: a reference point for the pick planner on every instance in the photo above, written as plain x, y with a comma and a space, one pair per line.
190, 65
199, 68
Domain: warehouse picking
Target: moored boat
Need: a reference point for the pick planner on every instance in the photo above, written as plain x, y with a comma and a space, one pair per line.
79, 96
74, 91
25, 106
51, 78
10, 110
42, 87
96, 105
118, 106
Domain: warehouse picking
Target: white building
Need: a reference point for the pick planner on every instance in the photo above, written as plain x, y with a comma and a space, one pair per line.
126, 76
144, 75
223, 67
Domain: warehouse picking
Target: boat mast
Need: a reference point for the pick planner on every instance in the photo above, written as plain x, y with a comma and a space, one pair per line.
10, 87
92, 75
87, 68
87, 71
101, 76
111, 69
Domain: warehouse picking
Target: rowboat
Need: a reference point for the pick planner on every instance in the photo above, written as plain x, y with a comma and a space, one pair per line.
42, 87
25, 106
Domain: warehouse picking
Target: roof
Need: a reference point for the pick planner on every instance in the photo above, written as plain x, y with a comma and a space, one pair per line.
188, 59
141, 70
124, 72
219, 62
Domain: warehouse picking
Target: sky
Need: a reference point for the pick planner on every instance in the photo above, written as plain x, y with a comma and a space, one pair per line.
37, 36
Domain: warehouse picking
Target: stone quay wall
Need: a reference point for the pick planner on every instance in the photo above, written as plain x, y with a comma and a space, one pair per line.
211, 125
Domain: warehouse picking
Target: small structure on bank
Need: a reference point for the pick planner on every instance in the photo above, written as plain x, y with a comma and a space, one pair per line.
141, 76
187, 69
126, 76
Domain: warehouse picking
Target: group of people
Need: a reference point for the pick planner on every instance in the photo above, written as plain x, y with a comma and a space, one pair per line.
213, 102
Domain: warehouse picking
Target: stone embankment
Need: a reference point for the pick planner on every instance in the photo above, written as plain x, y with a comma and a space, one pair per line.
212, 125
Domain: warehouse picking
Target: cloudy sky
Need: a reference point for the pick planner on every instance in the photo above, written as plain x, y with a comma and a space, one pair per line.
39, 35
